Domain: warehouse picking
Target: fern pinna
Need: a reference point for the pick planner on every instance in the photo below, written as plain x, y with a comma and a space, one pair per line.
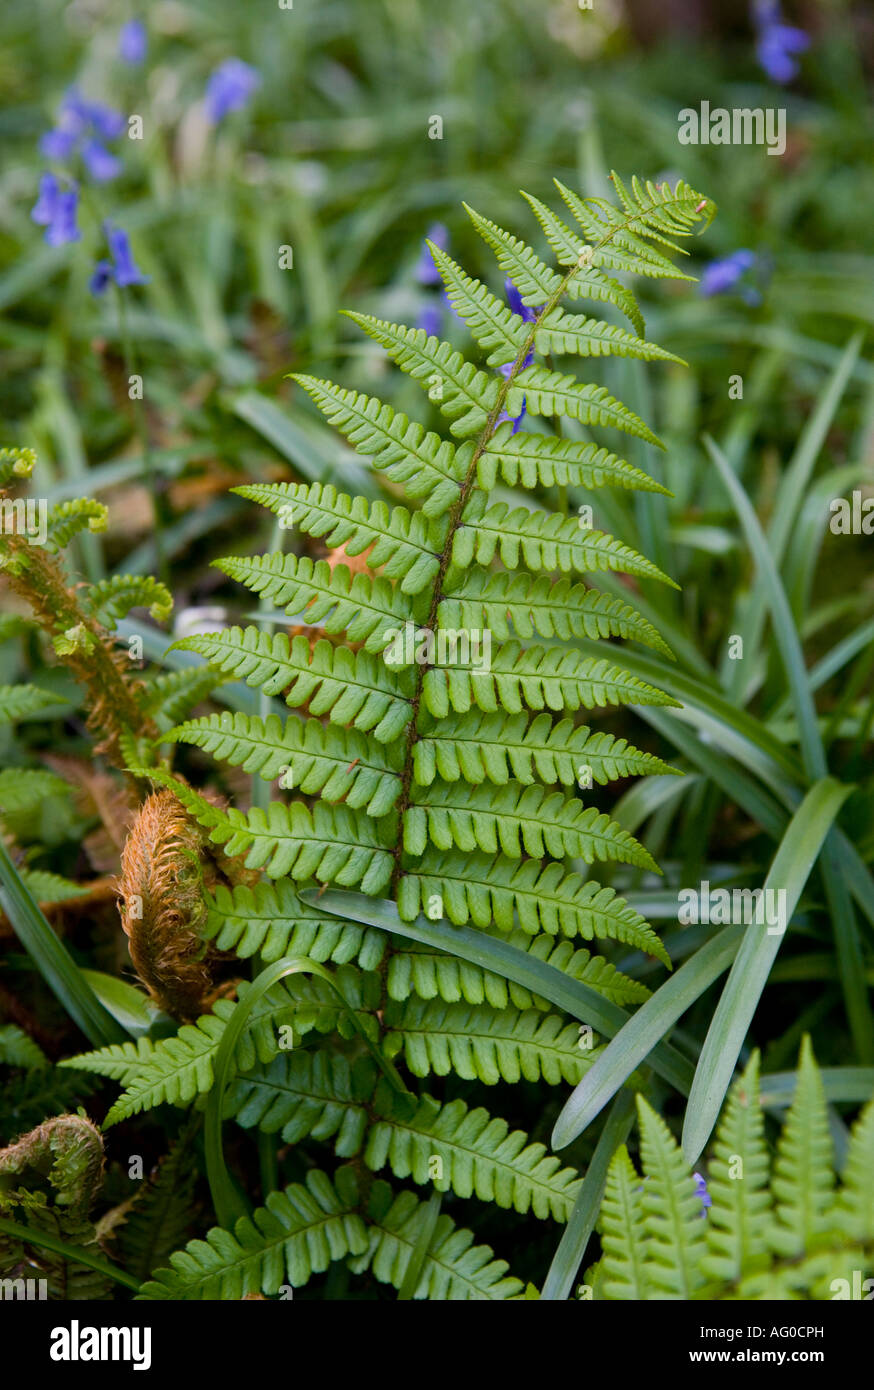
435, 770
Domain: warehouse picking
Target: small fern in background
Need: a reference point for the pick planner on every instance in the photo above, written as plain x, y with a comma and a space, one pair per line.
764, 1227
424, 777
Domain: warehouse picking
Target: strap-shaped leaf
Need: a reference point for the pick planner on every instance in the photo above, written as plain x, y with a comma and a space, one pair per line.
453, 1267
516, 820
526, 605
494, 326
317, 1095
537, 460
428, 466
406, 544
336, 764
296, 1234
541, 540
543, 392
272, 921
465, 394
485, 1044
433, 974
480, 1155
314, 593
482, 890
348, 687
544, 677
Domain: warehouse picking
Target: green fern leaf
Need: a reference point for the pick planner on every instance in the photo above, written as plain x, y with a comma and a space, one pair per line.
407, 544
672, 1211
856, 1213
113, 598
480, 1156
623, 1233
337, 764
803, 1181
22, 788
537, 460
544, 392
430, 467
465, 394
296, 1234
485, 1044
494, 327
24, 702
738, 1185
270, 920
172, 694
315, 1095
348, 687
18, 1049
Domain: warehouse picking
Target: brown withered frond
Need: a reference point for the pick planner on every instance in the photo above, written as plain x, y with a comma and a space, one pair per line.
165, 870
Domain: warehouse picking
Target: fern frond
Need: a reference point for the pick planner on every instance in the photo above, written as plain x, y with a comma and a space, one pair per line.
173, 693
333, 844
316, 1095
623, 1234
47, 887
430, 467
336, 764
625, 252
348, 687
113, 598
672, 1210
480, 1156
539, 460
479, 889
270, 920
803, 1180
23, 702
433, 974
68, 519
18, 1049
407, 544
544, 677
465, 394
856, 1213
24, 787
496, 747
544, 392
494, 326
539, 605
517, 821
485, 1044
542, 540
334, 599
16, 463
296, 1234
738, 1184
453, 1268
160, 1215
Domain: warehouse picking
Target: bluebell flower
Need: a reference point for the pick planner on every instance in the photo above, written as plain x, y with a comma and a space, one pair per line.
105, 122
62, 227
100, 277
426, 271
777, 42
43, 210
528, 314
101, 165
701, 1191
125, 268
229, 88
132, 42
429, 320
59, 143
514, 299
720, 276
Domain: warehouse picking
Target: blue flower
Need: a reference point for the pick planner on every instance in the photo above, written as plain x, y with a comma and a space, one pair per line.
105, 122
701, 1191
62, 227
426, 271
100, 277
514, 299
43, 210
101, 165
125, 269
229, 88
429, 320
723, 275
132, 42
777, 42
59, 143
